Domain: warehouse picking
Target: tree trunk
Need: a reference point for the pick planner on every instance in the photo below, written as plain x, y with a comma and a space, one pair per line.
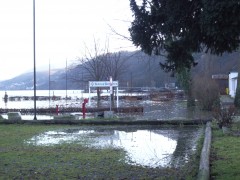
190, 97
112, 97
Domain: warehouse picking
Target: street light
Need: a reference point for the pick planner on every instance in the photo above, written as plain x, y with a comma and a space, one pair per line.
34, 62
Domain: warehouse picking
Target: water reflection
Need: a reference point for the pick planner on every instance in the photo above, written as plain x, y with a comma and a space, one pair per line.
30, 117
143, 147
152, 147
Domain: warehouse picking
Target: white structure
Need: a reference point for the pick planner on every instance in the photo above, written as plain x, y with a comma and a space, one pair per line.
103, 84
232, 83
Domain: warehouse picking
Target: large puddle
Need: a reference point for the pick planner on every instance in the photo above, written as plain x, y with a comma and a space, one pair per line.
151, 147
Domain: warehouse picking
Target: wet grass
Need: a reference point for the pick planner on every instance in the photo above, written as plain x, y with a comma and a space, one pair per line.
73, 161
225, 158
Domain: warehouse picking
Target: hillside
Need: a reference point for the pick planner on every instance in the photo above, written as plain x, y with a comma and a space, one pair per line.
141, 71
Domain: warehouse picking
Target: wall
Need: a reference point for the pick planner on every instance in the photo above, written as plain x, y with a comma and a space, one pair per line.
232, 83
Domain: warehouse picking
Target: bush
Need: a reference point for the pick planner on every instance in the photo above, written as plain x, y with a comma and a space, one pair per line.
206, 91
224, 116
237, 95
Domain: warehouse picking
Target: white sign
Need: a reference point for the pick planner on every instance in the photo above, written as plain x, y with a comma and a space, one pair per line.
102, 83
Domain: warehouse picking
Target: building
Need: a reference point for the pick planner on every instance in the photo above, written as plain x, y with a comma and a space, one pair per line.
232, 83
222, 82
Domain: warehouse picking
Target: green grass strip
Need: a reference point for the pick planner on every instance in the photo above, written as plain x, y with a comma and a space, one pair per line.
225, 158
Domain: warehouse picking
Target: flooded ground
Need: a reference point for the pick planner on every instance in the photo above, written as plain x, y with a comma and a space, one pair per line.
166, 110
150, 146
157, 110
173, 109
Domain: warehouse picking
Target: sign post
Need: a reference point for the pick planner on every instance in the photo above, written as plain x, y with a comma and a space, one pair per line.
102, 84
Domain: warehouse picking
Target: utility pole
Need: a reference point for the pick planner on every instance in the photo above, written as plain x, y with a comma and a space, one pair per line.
34, 63
49, 85
66, 83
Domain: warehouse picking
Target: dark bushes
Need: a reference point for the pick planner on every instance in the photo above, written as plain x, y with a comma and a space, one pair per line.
206, 92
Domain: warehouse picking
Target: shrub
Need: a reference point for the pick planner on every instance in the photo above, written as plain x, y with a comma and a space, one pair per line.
206, 91
224, 116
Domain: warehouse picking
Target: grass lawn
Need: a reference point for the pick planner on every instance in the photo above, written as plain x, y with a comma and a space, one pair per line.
19, 160
225, 154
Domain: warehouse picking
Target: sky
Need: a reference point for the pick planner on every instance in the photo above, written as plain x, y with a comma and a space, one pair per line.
63, 30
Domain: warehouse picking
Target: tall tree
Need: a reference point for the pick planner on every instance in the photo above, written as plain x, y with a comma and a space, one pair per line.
179, 28
237, 95
185, 81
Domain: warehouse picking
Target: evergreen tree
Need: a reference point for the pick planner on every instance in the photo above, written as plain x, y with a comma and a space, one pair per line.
184, 78
179, 28
237, 95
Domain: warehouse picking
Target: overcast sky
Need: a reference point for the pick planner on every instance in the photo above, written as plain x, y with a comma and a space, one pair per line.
63, 29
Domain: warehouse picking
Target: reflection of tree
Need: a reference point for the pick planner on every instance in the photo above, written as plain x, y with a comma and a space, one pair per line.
186, 141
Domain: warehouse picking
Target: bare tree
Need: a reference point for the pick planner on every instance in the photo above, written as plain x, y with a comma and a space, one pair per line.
115, 67
92, 65
99, 65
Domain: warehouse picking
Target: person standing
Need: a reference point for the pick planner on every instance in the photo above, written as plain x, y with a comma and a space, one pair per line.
5, 99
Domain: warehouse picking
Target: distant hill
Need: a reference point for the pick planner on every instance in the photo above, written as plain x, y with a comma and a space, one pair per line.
24, 81
142, 71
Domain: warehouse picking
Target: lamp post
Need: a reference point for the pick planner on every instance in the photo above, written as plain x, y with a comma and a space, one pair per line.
34, 62
111, 91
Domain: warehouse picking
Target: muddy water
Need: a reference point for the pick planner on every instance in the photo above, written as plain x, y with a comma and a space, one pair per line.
158, 110
145, 146
174, 109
